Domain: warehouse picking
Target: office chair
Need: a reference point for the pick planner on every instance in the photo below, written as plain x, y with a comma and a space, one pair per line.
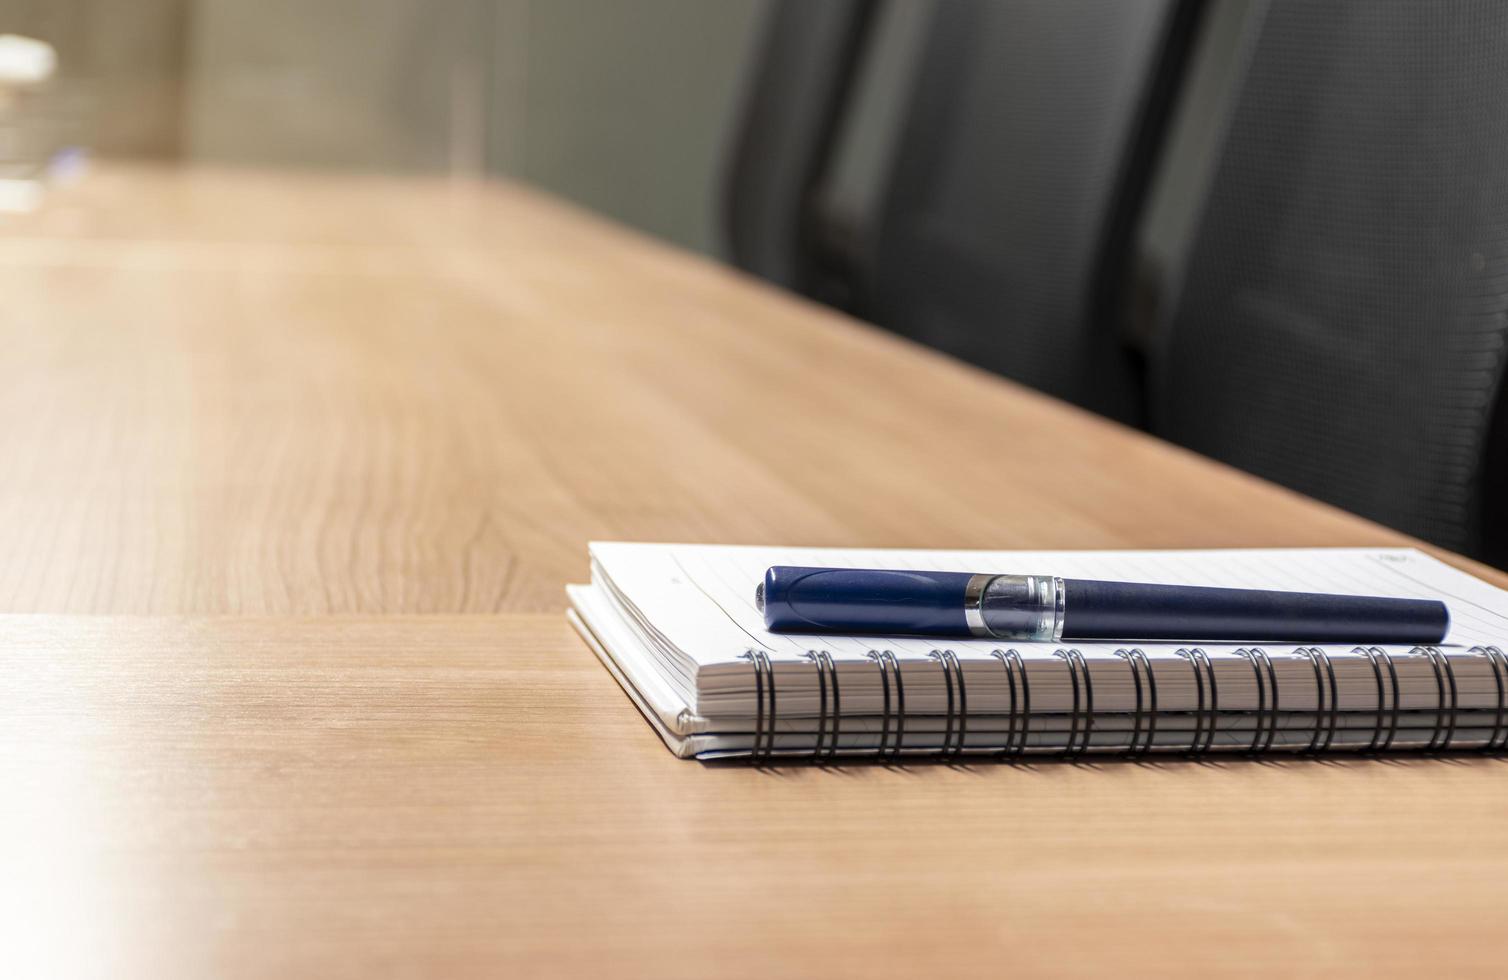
1025, 150
1342, 323
793, 95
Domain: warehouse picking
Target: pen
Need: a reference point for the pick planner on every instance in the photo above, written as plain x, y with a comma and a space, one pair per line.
1045, 608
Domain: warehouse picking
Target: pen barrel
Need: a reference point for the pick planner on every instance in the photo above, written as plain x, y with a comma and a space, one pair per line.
1125, 611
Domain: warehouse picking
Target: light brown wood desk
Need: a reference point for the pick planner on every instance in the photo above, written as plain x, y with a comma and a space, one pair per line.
295, 469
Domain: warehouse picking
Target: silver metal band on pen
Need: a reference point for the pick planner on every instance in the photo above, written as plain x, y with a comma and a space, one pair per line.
1015, 607
973, 599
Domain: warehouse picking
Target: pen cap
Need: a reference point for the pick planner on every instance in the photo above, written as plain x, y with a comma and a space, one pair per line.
863, 600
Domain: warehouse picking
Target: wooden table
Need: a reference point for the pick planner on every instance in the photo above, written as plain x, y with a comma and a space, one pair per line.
295, 470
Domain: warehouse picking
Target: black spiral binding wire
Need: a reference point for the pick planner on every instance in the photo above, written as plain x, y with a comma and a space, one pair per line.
947, 670
1137, 713
963, 702
1319, 697
1015, 745
821, 703
764, 721
1073, 717
1453, 718
953, 676
1440, 694
1077, 665
1139, 656
888, 665
1445, 718
1194, 665
1256, 722
827, 676
1214, 713
1146, 711
1272, 687
1380, 659
1324, 669
885, 702
1393, 714
1381, 696
1499, 663
900, 705
1088, 700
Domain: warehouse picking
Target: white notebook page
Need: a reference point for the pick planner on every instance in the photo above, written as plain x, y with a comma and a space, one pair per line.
701, 597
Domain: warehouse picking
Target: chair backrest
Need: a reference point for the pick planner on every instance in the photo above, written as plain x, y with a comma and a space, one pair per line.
794, 91
1024, 154
1341, 326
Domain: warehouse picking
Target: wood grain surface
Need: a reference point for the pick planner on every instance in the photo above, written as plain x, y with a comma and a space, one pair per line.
296, 467
455, 796
248, 394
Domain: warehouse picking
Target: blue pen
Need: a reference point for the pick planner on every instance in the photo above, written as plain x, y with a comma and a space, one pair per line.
1045, 608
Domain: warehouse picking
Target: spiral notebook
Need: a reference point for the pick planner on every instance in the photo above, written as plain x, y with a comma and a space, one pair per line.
678, 628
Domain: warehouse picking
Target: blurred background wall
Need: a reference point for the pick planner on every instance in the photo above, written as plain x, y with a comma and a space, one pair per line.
620, 106
120, 84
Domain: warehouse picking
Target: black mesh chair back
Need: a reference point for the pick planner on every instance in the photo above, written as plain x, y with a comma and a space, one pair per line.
1343, 314
1005, 230
793, 93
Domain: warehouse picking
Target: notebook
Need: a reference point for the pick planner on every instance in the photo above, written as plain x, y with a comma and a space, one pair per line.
677, 626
